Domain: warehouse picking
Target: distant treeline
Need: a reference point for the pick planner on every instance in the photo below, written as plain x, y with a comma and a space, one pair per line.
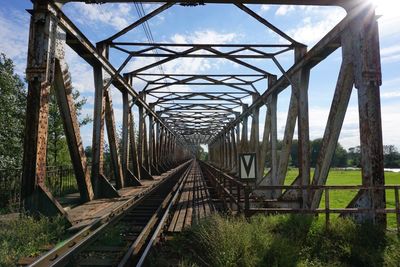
343, 157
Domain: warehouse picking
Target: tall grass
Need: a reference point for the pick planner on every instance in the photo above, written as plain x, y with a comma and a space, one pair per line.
282, 240
26, 237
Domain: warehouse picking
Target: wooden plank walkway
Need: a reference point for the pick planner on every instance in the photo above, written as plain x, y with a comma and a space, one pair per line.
194, 202
88, 212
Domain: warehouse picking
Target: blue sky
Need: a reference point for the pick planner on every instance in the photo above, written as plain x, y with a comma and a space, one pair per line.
223, 24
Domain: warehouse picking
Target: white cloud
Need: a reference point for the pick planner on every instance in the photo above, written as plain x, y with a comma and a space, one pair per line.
205, 37
14, 38
188, 65
313, 27
391, 94
390, 54
114, 15
390, 19
264, 9
284, 10
81, 72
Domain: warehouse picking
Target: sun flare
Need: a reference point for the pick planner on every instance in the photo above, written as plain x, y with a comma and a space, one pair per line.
387, 8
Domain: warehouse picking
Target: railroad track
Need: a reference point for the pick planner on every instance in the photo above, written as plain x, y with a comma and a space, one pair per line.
124, 237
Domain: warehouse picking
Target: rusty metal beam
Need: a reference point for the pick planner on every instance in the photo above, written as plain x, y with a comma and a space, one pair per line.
113, 141
139, 22
63, 90
80, 44
266, 23
40, 75
337, 113
342, 3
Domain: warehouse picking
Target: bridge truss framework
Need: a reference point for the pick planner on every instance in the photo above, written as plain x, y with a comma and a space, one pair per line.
171, 126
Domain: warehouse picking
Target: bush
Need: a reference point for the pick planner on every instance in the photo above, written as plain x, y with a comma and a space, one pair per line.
26, 237
282, 240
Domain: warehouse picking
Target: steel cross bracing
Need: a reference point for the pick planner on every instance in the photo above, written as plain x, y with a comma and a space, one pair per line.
220, 110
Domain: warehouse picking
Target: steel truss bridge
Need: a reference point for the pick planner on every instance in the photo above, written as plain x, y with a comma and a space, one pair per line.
172, 123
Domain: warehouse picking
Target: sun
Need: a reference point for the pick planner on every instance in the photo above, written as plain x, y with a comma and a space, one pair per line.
387, 8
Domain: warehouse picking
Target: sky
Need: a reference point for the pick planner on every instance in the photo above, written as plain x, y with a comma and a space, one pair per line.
221, 24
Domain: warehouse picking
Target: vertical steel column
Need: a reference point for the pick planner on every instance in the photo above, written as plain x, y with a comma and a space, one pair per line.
141, 135
303, 125
146, 144
273, 105
264, 149
238, 141
255, 127
40, 76
130, 179
133, 145
157, 146
113, 141
125, 135
288, 137
221, 152
244, 139
229, 154
101, 186
160, 147
234, 151
368, 78
152, 146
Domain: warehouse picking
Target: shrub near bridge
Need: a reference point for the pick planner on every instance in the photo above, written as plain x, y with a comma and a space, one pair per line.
282, 240
27, 237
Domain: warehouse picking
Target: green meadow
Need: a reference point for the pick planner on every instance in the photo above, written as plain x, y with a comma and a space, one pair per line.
340, 198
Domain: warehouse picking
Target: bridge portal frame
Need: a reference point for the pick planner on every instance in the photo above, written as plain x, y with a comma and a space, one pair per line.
357, 35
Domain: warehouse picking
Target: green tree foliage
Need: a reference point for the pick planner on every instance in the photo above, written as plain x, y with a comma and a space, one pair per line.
391, 156
201, 154
12, 115
339, 158
390, 153
354, 156
294, 153
57, 148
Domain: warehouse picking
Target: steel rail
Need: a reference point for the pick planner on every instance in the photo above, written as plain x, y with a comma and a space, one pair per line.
172, 197
61, 254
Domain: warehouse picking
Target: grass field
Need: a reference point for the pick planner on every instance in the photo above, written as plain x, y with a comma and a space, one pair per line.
340, 198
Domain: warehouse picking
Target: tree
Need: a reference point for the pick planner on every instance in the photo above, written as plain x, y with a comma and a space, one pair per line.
354, 156
294, 153
315, 146
57, 148
89, 153
201, 154
12, 115
391, 156
340, 157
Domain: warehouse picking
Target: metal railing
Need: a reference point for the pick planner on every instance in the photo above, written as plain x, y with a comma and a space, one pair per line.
60, 180
10, 188
237, 196
232, 191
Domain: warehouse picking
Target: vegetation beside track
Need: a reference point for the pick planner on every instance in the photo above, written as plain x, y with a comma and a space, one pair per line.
341, 198
281, 240
26, 237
